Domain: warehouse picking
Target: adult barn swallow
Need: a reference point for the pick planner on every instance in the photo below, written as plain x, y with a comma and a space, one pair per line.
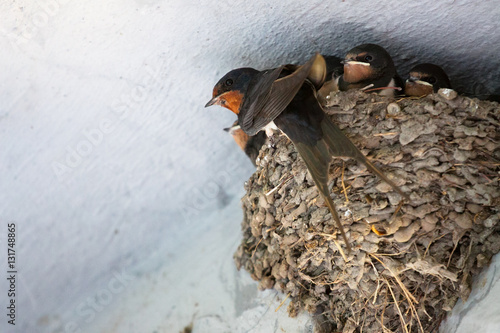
286, 96
369, 66
249, 144
425, 79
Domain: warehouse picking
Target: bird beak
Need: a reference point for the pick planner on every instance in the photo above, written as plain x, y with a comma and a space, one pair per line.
347, 59
353, 62
232, 128
417, 81
213, 101
423, 83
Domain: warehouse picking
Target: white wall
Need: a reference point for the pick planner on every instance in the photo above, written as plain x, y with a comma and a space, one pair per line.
110, 164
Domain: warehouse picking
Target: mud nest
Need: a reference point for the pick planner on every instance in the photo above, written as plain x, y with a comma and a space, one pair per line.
411, 261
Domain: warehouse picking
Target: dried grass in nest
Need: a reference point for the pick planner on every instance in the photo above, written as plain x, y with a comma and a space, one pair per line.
411, 261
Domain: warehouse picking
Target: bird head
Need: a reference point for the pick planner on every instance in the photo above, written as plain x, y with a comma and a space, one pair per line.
230, 90
367, 62
425, 79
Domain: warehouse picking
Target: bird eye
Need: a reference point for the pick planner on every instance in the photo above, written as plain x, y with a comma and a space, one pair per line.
229, 82
368, 58
431, 80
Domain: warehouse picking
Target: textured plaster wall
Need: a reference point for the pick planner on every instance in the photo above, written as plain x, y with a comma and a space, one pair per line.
116, 176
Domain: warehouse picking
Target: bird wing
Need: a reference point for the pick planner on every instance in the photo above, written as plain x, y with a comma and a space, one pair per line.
318, 72
317, 159
341, 145
317, 140
269, 95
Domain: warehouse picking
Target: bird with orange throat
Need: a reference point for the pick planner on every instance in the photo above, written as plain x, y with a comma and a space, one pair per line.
370, 67
424, 79
285, 98
250, 145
